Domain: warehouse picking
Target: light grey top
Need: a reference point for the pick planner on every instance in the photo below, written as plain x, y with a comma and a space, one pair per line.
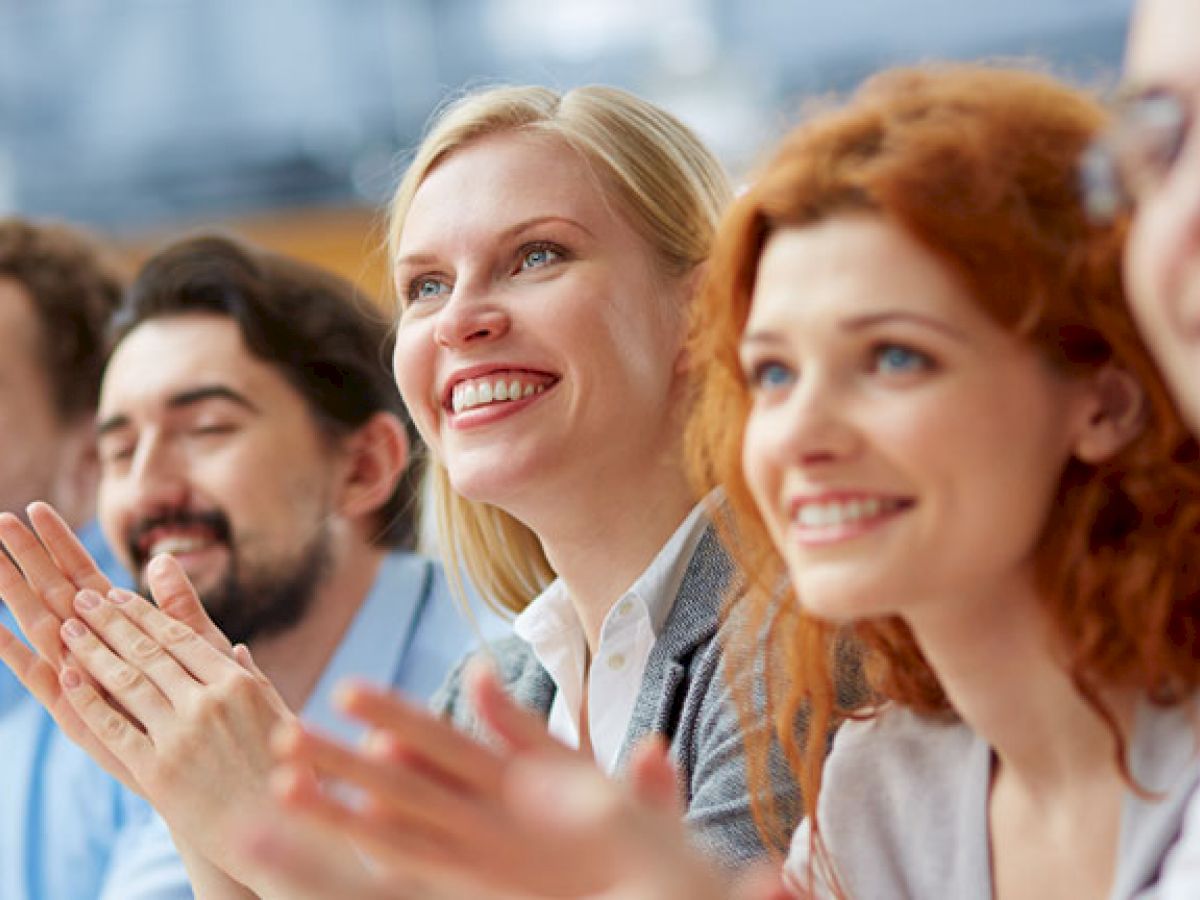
903, 807
683, 697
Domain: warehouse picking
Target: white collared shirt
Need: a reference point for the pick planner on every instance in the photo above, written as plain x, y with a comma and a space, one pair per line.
553, 630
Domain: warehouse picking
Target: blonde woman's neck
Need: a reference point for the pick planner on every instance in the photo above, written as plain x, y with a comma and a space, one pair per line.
600, 551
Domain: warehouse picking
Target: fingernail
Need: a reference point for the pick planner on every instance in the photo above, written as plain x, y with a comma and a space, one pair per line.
70, 679
74, 628
158, 564
87, 600
118, 596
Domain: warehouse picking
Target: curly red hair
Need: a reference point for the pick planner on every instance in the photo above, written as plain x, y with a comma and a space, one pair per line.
978, 164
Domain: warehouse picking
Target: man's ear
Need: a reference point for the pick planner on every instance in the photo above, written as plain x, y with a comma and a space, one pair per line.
1117, 417
376, 456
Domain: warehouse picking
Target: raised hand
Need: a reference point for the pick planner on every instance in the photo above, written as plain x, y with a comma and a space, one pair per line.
636, 827
432, 798
531, 819
52, 566
158, 697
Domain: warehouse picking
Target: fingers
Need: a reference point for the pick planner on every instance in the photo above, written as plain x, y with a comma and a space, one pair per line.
653, 776
396, 791
629, 844
411, 849
43, 681
39, 623
144, 654
66, 550
175, 596
206, 663
44, 578
299, 872
115, 733
456, 755
241, 655
128, 684
517, 727
39, 677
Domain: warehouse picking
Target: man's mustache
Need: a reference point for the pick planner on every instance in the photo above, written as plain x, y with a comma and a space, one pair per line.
213, 521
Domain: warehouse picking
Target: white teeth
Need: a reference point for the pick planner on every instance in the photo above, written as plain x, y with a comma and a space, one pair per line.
176, 545
811, 516
469, 395
834, 513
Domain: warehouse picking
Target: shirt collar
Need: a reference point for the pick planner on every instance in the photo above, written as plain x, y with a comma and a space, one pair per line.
374, 644
658, 585
549, 622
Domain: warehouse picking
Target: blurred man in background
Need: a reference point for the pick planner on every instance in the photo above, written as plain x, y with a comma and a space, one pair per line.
65, 826
248, 426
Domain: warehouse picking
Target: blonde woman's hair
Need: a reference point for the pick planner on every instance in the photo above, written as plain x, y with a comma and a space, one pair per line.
668, 186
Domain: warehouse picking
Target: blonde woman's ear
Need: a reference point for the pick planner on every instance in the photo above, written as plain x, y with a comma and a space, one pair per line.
1118, 417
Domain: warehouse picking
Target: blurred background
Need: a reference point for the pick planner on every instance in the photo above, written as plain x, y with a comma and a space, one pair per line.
288, 121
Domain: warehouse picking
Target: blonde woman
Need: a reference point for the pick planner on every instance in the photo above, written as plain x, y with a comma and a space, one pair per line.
546, 249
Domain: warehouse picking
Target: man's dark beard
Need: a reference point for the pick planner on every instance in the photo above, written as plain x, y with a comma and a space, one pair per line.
251, 605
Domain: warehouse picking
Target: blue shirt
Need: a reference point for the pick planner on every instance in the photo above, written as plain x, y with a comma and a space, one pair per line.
68, 829
408, 634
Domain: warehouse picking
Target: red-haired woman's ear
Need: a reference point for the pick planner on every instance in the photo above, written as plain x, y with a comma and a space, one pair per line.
1119, 415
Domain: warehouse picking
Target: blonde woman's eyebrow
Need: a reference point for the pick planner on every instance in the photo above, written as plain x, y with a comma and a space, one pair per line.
423, 258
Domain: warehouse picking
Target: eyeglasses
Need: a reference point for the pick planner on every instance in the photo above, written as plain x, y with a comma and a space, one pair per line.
1136, 154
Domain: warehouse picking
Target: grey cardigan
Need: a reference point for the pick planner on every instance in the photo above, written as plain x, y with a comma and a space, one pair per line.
683, 697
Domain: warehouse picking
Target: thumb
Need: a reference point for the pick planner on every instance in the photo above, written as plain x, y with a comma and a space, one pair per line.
174, 594
241, 655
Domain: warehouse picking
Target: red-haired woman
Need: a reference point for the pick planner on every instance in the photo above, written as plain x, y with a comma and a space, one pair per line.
958, 449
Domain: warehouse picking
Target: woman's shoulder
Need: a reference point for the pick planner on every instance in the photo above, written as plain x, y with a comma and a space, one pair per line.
895, 760
518, 669
903, 804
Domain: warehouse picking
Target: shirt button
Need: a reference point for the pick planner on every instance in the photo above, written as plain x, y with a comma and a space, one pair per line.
625, 608
616, 661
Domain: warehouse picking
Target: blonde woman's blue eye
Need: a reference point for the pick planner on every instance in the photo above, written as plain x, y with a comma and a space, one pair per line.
426, 288
899, 359
538, 257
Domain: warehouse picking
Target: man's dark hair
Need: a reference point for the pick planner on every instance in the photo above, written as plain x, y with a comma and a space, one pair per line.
74, 287
331, 343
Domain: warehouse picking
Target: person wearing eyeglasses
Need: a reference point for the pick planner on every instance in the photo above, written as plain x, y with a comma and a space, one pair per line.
1149, 163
